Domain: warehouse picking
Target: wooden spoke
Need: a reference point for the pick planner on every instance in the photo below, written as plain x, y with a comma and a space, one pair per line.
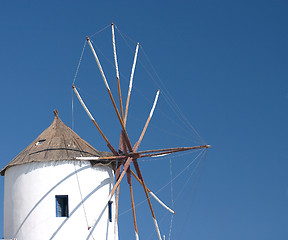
126, 165
147, 196
166, 152
118, 172
130, 84
117, 70
117, 204
120, 98
122, 149
122, 146
153, 195
93, 120
178, 149
142, 154
149, 118
116, 212
132, 202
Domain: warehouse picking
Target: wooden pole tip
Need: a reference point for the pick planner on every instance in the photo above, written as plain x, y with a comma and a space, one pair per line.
56, 113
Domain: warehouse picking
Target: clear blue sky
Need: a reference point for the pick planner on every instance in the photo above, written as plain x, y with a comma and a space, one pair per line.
223, 62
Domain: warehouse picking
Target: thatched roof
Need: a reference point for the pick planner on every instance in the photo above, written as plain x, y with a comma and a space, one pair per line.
57, 143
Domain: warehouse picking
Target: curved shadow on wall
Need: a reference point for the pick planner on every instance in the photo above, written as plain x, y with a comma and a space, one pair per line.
95, 224
46, 194
108, 221
100, 216
103, 183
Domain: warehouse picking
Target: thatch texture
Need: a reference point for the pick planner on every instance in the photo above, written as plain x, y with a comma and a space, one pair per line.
57, 143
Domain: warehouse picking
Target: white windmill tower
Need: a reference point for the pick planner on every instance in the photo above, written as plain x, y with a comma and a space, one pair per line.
48, 194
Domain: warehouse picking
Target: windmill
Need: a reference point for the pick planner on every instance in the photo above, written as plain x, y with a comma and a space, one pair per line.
128, 154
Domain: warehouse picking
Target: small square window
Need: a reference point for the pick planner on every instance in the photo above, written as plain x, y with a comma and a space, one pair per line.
62, 206
110, 211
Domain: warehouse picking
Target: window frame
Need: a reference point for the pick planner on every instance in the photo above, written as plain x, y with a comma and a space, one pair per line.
62, 202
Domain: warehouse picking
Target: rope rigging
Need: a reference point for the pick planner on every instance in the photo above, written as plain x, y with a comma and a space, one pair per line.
105, 102
167, 96
195, 172
170, 101
184, 125
172, 180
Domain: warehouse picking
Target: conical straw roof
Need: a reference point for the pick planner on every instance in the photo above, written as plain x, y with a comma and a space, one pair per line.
57, 143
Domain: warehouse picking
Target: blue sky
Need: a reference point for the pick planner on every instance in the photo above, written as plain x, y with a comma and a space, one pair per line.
223, 62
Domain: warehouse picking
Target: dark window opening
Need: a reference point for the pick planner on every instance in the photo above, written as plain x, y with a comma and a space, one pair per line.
62, 206
110, 211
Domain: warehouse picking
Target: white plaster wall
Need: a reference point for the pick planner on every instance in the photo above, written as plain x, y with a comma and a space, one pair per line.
30, 206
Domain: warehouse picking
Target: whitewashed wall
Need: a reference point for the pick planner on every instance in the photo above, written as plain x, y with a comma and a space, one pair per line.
30, 206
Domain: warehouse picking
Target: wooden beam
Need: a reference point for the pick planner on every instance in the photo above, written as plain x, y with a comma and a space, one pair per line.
131, 83
178, 149
129, 180
142, 154
117, 70
147, 197
149, 118
93, 120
